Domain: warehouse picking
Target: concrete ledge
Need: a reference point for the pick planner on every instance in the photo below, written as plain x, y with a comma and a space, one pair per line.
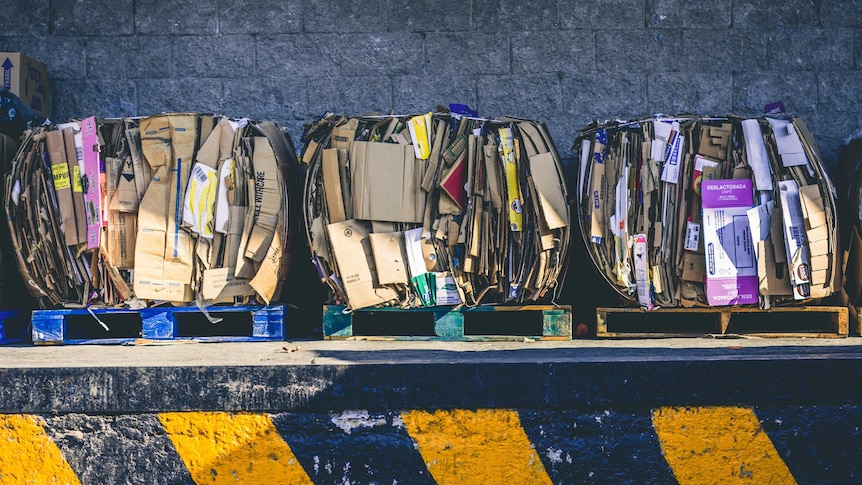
323, 379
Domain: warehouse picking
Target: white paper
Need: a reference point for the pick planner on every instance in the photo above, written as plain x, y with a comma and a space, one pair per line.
415, 257
222, 208
794, 239
788, 143
585, 160
670, 171
198, 202
692, 236
642, 271
760, 222
658, 147
446, 290
758, 158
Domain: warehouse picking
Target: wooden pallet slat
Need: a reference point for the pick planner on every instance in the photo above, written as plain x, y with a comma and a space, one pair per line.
79, 326
801, 321
449, 323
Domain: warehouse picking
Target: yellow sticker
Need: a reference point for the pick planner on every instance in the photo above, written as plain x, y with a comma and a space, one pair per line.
61, 176
76, 179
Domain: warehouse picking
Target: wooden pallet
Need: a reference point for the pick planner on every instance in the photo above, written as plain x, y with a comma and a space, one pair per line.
483, 323
14, 327
802, 321
79, 326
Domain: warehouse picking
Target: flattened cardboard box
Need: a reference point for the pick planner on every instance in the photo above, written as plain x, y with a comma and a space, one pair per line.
731, 276
352, 248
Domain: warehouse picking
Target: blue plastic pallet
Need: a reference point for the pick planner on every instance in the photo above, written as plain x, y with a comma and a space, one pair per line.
14, 327
239, 324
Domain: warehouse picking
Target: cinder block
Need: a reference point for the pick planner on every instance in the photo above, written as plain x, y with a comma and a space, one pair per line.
419, 94
453, 55
563, 131
272, 99
514, 15
212, 56
177, 17
811, 49
24, 18
602, 14
380, 53
91, 18
603, 96
858, 50
350, 94
760, 14
429, 15
709, 50
256, 17
666, 14
310, 55
344, 16
839, 92
638, 51
537, 97
128, 57
554, 51
830, 131
74, 99
180, 94
753, 90
690, 93
60, 54
840, 14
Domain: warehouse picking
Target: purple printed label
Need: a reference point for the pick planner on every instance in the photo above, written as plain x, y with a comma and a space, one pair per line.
717, 194
731, 291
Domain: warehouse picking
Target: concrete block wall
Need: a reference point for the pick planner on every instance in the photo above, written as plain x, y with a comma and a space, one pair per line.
561, 61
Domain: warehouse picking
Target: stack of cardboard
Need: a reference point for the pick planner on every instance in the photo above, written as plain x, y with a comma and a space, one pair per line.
850, 216
176, 207
435, 209
697, 211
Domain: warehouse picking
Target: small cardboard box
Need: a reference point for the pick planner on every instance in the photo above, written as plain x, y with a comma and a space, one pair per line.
731, 276
27, 79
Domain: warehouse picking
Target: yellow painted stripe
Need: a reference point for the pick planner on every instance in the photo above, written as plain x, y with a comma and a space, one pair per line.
28, 455
718, 445
232, 448
484, 447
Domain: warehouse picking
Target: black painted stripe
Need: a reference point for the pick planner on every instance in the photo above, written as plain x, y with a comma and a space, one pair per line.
353, 447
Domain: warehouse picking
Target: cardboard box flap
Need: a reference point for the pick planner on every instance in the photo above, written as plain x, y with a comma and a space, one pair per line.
62, 185
267, 200
352, 250
332, 185
386, 183
552, 200
388, 250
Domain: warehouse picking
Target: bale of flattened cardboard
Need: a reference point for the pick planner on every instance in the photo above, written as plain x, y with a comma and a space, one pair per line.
849, 184
705, 211
435, 209
185, 208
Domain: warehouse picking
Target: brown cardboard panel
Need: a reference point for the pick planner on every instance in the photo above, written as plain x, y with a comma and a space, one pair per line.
28, 79
266, 203
62, 185
352, 249
552, 199
332, 185
386, 182
388, 250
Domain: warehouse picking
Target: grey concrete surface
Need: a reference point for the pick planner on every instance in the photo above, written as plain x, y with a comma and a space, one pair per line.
359, 352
